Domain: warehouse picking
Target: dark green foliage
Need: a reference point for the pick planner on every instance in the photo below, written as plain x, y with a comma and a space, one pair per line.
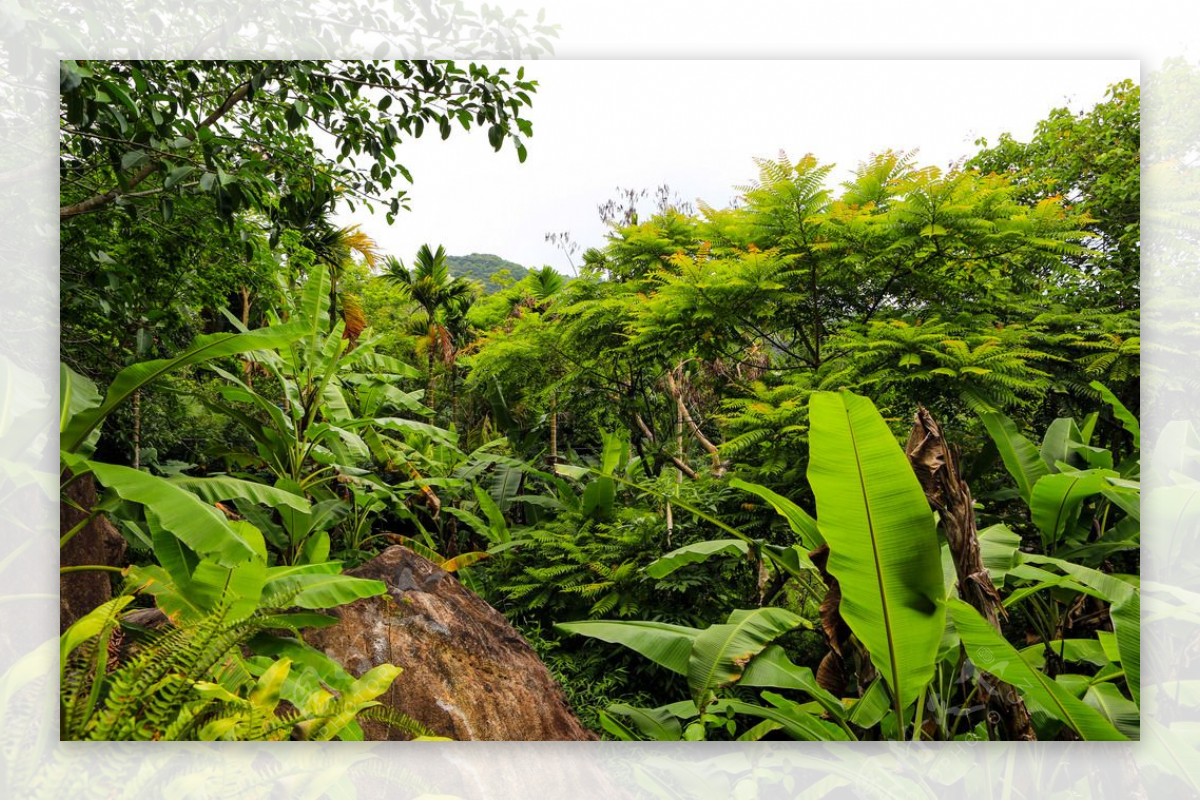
492, 272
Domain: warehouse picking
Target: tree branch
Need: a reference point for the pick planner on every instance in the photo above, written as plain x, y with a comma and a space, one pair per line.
98, 201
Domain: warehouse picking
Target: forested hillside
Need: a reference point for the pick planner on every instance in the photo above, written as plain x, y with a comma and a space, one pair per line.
837, 460
491, 271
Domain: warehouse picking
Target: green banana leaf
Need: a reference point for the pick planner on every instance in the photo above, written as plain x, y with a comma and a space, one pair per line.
1057, 443
800, 521
659, 723
1056, 498
198, 525
211, 346
796, 722
721, 652
992, 653
77, 394
1125, 609
999, 548
662, 643
1124, 714
772, 668
226, 488
1128, 421
1023, 461
322, 590
497, 528
691, 554
883, 544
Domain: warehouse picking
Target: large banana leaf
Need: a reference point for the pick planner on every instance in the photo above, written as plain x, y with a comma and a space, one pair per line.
772, 668
691, 554
663, 643
1124, 714
800, 724
77, 394
187, 588
1125, 609
1128, 421
992, 653
721, 652
322, 590
76, 431
200, 526
1023, 461
226, 488
800, 521
882, 540
709, 658
1056, 498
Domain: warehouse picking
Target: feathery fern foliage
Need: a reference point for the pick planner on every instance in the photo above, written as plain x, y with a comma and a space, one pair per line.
191, 682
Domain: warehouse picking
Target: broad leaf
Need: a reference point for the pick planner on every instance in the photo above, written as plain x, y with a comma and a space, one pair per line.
800, 521
497, 529
225, 488
322, 590
999, 548
772, 668
1058, 440
992, 653
691, 554
136, 376
1119, 710
1125, 611
883, 544
721, 652
656, 724
200, 526
799, 724
1126, 417
1056, 498
90, 625
1023, 461
662, 643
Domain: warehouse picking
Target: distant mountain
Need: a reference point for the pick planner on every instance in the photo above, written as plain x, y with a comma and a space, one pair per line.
481, 267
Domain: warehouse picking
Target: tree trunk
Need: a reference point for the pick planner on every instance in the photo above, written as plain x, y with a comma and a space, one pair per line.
936, 464
137, 429
552, 459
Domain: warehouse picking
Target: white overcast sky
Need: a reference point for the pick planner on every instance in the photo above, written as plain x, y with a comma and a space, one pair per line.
697, 126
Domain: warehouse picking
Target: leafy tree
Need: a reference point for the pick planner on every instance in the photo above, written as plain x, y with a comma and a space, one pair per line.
443, 301
1090, 159
248, 134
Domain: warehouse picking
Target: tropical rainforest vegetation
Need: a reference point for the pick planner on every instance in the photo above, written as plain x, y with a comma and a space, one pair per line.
840, 461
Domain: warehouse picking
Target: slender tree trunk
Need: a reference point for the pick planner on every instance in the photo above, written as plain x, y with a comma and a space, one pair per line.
137, 429
247, 365
685, 417
429, 391
936, 465
679, 412
553, 457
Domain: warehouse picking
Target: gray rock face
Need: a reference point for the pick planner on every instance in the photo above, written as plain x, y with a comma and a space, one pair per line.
467, 674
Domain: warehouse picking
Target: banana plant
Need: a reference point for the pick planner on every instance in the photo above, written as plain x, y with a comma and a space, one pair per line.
1083, 507
883, 547
331, 432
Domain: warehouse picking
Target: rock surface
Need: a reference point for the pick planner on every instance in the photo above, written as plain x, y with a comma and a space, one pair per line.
97, 543
468, 674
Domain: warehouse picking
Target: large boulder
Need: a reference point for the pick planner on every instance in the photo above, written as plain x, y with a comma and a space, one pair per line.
467, 674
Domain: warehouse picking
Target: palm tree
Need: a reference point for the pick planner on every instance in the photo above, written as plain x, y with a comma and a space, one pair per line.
334, 247
443, 300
